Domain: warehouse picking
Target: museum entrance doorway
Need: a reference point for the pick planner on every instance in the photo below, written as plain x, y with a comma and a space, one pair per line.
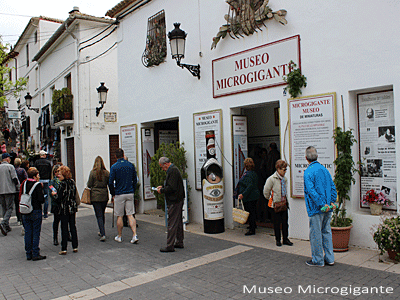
262, 131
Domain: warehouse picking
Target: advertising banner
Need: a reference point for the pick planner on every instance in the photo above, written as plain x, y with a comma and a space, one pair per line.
202, 122
377, 133
312, 121
147, 154
240, 150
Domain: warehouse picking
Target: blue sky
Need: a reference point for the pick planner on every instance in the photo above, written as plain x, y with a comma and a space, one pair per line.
15, 14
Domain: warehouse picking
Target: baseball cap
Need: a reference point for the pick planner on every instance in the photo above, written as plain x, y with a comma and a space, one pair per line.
5, 155
42, 152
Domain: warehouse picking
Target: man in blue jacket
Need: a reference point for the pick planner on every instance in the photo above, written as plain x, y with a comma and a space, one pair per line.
319, 191
122, 184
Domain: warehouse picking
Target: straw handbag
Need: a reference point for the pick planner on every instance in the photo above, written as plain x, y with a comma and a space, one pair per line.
240, 215
86, 196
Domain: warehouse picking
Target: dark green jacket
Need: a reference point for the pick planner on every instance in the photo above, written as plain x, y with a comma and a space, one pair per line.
248, 187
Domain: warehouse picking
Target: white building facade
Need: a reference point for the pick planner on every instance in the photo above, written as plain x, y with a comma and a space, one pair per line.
346, 51
80, 54
35, 35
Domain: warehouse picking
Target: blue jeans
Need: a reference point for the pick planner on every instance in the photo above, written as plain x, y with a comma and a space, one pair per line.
99, 210
46, 197
321, 238
32, 224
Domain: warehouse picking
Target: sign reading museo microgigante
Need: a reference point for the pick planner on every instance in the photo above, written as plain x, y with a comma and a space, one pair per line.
257, 68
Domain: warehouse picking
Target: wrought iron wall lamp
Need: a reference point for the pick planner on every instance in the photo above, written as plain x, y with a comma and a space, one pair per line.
177, 39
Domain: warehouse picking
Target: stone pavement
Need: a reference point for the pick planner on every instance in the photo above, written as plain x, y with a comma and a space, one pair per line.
222, 266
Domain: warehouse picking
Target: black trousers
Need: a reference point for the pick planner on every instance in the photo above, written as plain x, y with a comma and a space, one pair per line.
56, 223
175, 225
65, 221
278, 219
17, 213
251, 207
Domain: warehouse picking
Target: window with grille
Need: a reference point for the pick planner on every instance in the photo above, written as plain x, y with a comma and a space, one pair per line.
156, 44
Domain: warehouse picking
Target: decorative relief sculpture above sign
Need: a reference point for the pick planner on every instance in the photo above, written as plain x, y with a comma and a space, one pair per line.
245, 17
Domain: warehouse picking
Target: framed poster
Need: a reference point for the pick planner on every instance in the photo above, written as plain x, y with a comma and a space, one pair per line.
147, 154
312, 120
377, 133
129, 142
202, 122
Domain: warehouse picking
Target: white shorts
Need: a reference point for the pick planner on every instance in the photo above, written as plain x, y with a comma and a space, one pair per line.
124, 203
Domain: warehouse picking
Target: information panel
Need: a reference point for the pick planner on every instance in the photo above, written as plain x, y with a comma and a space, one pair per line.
378, 144
129, 142
312, 121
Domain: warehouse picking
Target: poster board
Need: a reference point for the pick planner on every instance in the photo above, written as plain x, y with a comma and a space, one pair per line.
147, 154
312, 120
129, 142
202, 122
377, 134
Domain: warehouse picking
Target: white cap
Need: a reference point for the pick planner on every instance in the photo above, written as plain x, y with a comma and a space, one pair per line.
42, 152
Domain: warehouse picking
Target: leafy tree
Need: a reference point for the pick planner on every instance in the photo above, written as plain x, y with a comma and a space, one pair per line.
7, 86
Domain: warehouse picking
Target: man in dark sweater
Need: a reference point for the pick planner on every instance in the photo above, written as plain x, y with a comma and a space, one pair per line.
43, 165
174, 195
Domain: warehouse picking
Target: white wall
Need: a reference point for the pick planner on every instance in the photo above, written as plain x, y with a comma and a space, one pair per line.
345, 47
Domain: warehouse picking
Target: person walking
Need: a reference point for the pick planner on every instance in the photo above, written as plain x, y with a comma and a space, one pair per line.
122, 184
275, 189
67, 199
55, 209
22, 176
9, 185
319, 191
44, 167
174, 195
249, 193
98, 184
33, 221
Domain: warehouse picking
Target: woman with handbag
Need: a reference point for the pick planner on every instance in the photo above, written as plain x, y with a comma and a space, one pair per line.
67, 199
249, 193
275, 189
98, 183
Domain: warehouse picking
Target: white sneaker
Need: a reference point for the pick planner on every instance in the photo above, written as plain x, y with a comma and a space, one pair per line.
118, 239
103, 238
134, 240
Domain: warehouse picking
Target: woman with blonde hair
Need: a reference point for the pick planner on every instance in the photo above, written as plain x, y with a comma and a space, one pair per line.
98, 184
249, 193
55, 183
67, 201
275, 190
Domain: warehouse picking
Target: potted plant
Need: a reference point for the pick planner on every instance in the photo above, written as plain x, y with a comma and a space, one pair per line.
295, 80
61, 105
344, 177
177, 155
387, 237
376, 201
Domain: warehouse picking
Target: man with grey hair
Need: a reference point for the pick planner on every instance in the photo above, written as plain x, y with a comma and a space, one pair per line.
174, 195
319, 191
9, 185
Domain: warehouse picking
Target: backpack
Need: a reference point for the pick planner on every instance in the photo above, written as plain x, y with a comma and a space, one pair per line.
25, 204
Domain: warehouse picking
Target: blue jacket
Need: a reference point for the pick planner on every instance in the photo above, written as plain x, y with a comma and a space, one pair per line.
319, 188
123, 178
